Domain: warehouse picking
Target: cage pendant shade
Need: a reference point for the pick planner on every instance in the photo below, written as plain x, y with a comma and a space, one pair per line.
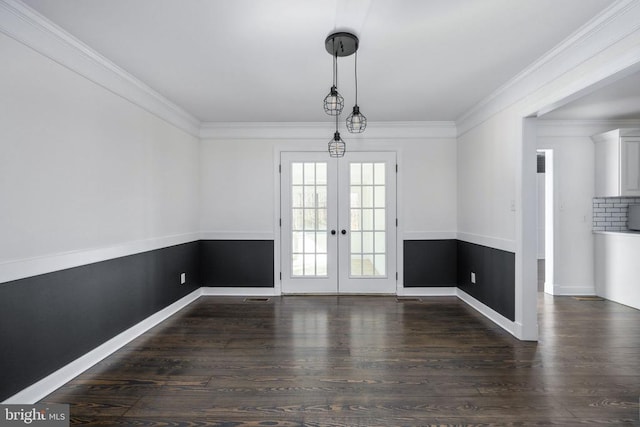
337, 147
356, 121
334, 102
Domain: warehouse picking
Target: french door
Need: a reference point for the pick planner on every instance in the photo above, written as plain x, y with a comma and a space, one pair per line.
338, 223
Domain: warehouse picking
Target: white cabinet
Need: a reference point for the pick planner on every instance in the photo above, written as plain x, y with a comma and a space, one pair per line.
617, 166
617, 268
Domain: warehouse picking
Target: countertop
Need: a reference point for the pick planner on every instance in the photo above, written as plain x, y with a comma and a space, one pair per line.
627, 232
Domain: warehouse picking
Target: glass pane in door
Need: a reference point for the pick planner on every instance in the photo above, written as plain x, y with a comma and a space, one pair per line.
309, 219
367, 213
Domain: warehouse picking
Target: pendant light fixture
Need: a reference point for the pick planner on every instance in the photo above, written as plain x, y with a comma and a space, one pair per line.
356, 121
337, 146
334, 102
341, 44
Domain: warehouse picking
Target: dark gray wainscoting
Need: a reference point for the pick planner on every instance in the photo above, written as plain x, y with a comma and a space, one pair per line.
47, 321
50, 320
495, 276
430, 263
237, 263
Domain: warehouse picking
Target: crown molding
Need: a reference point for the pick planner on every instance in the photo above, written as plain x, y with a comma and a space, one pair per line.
324, 130
581, 128
20, 22
589, 122
613, 24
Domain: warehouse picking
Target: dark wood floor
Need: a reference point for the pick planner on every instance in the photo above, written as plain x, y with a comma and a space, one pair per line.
367, 361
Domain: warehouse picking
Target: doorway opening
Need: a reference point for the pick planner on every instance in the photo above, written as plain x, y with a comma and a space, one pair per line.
545, 221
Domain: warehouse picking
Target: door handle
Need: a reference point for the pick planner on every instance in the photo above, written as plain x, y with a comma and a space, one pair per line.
333, 232
344, 232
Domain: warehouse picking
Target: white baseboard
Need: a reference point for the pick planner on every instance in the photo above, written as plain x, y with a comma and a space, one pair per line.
238, 292
569, 290
427, 291
489, 313
50, 383
528, 334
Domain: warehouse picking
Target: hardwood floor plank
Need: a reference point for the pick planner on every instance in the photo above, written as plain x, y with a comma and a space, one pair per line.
345, 406
112, 405
349, 361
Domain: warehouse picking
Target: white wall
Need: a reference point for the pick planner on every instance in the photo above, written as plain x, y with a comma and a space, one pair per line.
237, 187
82, 168
486, 182
573, 192
239, 181
428, 185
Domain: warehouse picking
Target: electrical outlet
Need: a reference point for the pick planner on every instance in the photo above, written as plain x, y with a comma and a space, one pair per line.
183, 278
473, 277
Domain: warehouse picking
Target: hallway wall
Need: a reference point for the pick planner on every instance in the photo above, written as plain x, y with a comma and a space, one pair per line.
573, 175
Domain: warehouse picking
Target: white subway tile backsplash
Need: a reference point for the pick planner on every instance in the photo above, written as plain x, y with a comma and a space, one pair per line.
611, 213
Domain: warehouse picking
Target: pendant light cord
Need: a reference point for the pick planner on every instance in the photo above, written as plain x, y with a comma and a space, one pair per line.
356, 73
337, 122
335, 75
335, 68
335, 64
335, 61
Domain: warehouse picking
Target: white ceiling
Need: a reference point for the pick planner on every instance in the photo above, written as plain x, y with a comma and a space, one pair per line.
619, 100
265, 61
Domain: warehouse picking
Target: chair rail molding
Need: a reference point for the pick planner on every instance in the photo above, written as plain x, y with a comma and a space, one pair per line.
21, 268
